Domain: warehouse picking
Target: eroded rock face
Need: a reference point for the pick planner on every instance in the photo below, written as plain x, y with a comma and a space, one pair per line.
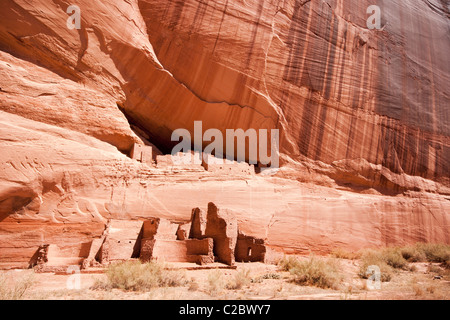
363, 116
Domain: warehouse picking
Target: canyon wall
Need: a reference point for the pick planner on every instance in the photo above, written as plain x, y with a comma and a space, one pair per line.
363, 117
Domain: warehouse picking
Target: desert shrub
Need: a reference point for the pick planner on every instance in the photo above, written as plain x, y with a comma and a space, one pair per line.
344, 254
15, 290
265, 277
434, 252
240, 279
374, 258
100, 284
398, 258
316, 272
288, 263
394, 258
412, 254
431, 252
137, 276
257, 280
216, 282
271, 276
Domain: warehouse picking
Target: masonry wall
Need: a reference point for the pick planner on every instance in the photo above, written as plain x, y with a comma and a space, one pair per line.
192, 250
142, 153
249, 249
221, 226
223, 166
166, 162
122, 241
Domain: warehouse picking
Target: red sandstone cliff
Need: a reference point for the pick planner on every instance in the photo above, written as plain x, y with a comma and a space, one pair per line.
363, 115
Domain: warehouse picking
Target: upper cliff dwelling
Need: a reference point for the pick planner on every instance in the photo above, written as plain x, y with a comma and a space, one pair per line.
211, 236
185, 161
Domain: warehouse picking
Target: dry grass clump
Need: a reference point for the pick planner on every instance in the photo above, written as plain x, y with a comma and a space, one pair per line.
344, 254
313, 271
431, 252
427, 252
391, 258
216, 282
412, 254
288, 263
137, 276
193, 285
241, 278
271, 276
266, 276
394, 258
15, 290
375, 258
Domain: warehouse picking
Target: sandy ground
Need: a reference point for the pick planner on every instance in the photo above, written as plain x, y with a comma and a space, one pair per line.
417, 284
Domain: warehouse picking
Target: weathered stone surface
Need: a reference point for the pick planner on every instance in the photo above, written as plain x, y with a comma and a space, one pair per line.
198, 223
93, 257
122, 241
199, 251
363, 116
142, 153
227, 167
249, 249
183, 231
160, 228
222, 227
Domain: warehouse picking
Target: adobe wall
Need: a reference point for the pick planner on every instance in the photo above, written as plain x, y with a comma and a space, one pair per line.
142, 153
122, 241
200, 247
159, 228
50, 258
249, 249
167, 162
183, 231
224, 166
192, 250
221, 226
198, 223
93, 253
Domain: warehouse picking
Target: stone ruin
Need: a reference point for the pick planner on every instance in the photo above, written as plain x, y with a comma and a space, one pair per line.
213, 164
143, 154
211, 236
